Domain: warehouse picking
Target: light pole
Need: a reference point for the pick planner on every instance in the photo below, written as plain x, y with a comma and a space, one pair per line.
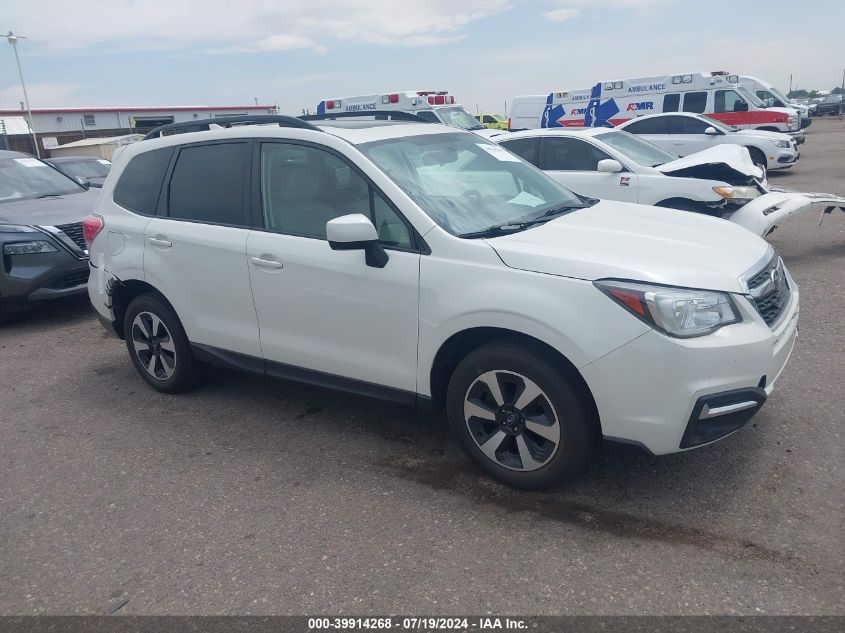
13, 40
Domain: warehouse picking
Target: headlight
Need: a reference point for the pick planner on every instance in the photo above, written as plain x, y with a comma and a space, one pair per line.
737, 193
16, 228
678, 312
28, 248
778, 143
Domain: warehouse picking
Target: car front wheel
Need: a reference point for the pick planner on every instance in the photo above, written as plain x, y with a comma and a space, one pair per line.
519, 416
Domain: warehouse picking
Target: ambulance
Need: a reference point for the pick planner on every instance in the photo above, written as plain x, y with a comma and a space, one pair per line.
771, 96
437, 106
717, 94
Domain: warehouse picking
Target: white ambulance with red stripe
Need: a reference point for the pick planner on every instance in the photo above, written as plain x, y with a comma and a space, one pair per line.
717, 94
437, 106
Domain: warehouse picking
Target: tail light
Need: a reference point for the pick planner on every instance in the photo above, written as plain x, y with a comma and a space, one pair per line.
91, 227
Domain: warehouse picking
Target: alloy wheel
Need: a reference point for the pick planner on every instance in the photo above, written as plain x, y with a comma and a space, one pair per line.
153, 345
512, 420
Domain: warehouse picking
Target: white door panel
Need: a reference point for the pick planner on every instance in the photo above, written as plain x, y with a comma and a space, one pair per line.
327, 311
620, 186
686, 144
661, 140
202, 270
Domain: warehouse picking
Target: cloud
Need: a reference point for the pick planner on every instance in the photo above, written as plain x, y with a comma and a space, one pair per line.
573, 8
562, 15
218, 25
41, 95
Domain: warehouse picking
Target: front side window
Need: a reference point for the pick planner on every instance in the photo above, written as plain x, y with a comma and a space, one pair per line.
656, 125
688, 125
303, 187
637, 149
491, 187
140, 182
695, 102
208, 184
25, 178
769, 100
729, 101
570, 154
526, 148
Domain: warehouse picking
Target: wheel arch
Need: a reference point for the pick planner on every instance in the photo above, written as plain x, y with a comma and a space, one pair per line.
122, 295
457, 346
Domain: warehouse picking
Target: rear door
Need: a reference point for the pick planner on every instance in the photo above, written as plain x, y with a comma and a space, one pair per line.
195, 249
574, 163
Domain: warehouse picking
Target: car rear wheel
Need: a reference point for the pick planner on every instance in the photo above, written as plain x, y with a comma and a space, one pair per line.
517, 416
158, 345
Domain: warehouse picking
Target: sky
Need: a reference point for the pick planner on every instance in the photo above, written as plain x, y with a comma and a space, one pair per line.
293, 53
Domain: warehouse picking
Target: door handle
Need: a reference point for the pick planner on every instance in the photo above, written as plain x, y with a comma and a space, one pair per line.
266, 263
160, 243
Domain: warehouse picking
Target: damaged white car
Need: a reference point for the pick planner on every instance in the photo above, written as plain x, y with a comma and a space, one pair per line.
614, 165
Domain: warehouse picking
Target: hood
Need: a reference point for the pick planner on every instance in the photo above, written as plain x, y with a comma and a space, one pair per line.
50, 211
631, 241
778, 136
730, 163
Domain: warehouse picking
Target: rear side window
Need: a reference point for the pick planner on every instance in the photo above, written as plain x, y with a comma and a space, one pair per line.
526, 148
672, 102
140, 183
208, 184
695, 102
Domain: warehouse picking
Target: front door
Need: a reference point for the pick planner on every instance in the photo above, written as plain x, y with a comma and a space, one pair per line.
323, 311
574, 163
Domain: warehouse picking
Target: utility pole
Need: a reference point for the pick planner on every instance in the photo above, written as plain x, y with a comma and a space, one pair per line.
13, 40
790, 86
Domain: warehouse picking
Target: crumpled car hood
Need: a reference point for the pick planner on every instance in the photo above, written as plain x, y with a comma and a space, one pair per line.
729, 163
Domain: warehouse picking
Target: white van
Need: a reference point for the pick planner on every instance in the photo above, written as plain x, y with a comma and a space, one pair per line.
526, 112
772, 97
717, 94
436, 106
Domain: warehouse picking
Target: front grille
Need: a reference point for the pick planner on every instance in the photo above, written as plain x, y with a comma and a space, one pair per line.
770, 291
70, 281
74, 232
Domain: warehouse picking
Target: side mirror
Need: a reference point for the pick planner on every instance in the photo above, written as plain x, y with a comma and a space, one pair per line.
711, 131
84, 182
609, 166
355, 232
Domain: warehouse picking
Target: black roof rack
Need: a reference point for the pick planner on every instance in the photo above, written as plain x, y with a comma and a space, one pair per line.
379, 115
200, 125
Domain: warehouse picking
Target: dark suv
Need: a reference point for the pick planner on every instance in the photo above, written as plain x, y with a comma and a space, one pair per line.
832, 104
41, 237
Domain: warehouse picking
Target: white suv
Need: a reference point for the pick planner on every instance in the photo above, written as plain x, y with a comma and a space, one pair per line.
426, 265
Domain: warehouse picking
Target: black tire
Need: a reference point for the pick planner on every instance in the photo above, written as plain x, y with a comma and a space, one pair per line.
514, 361
757, 157
175, 368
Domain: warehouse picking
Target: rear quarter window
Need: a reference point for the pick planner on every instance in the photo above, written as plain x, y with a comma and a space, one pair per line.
140, 183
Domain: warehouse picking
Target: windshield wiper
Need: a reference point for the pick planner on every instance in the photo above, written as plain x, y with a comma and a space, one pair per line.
514, 227
48, 195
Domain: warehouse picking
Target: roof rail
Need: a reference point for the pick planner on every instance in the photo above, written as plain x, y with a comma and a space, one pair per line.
379, 115
200, 125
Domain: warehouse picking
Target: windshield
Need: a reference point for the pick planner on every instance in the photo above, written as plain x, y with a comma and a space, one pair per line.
85, 168
467, 184
779, 95
748, 96
635, 148
718, 124
26, 178
458, 117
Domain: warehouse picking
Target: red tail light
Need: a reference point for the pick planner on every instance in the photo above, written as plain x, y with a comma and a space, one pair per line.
91, 227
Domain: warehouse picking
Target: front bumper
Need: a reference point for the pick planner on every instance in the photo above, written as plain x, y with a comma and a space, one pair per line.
27, 279
653, 390
783, 158
798, 136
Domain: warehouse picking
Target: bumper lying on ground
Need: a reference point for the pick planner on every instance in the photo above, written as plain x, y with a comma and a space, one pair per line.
668, 394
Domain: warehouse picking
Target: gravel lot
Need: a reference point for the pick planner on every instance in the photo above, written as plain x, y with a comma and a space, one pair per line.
261, 496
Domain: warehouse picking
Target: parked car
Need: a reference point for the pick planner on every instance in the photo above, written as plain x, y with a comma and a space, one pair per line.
612, 164
425, 265
685, 133
831, 104
89, 171
43, 250
492, 121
